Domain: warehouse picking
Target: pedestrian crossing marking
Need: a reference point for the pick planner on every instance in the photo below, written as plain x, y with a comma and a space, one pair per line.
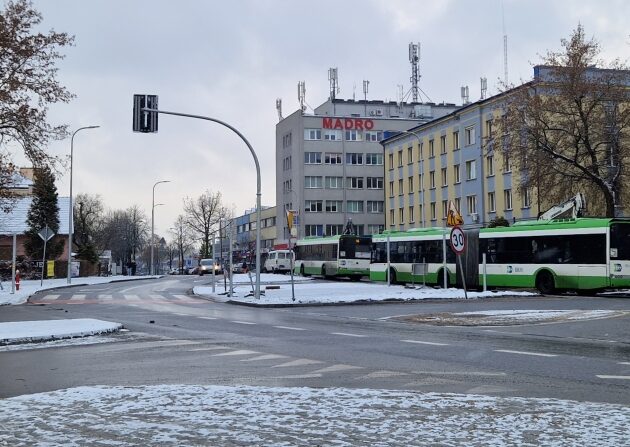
265, 357
335, 368
298, 362
77, 297
382, 374
238, 352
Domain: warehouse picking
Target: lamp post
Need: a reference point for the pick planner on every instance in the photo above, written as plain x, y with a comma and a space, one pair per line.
70, 207
153, 205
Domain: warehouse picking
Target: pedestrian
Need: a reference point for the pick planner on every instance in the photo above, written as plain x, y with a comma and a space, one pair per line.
133, 267
244, 267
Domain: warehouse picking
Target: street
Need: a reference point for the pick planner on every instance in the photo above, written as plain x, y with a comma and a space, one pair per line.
172, 337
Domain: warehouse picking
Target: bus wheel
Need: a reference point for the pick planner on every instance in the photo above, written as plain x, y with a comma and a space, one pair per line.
545, 283
440, 279
392, 276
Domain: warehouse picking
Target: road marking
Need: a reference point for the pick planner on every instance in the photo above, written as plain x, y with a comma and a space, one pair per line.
238, 352
624, 363
345, 334
299, 376
131, 297
182, 297
105, 297
181, 315
131, 288
460, 373
154, 296
77, 297
208, 318
298, 362
383, 374
242, 322
432, 343
335, 368
539, 354
613, 377
49, 298
265, 357
290, 328
208, 348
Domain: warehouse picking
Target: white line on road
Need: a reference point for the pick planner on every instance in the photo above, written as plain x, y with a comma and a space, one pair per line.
614, 377
298, 362
207, 348
624, 363
335, 368
345, 334
242, 322
77, 297
208, 318
238, 352
432, 343
289, 328
539, 354
265, 357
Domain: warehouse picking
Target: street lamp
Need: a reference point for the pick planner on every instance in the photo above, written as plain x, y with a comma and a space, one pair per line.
153, 205
70, 205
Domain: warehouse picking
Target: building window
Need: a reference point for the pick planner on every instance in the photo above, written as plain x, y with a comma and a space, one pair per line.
333, 206
312, 134
507, 199
431, 179
286, 163
334, 230
471, 203
469, 134
286, 140
506, 163
471, 170
354, 182
456, 174
391, 189
420, 148
313, 206
410, 185
312, 182
492, 206
332, 135
375, 229
526, 198
401, 190
313, 230
354, 158
489, 129
490, 165
287, 185
374, 159
432, 209
456, 140
312, 158
458, 203
431, 149
353, 135
390, 160
444, 208
411, 214
332, 158
420, 188
334, 182
400, 158
401, 215
375, 206
373, 135
443, 144
443, 176
375, 183
391, 217
409, 155
354, 206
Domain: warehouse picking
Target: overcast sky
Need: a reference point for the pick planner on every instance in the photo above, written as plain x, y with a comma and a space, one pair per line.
232, 59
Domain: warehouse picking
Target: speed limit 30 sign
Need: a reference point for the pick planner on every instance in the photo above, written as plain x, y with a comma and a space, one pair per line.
458, 240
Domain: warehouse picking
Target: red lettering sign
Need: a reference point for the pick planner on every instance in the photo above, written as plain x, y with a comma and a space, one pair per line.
348, 123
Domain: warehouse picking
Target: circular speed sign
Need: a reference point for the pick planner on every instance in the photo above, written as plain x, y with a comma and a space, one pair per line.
458, 240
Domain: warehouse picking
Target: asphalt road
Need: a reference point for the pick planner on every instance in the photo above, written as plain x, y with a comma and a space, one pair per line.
175, 338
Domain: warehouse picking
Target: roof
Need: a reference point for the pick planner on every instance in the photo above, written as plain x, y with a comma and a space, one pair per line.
15, 221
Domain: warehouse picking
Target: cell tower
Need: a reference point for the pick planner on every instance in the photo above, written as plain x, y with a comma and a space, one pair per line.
334, 82
365, 89
302, 94
279, 108
414, 59
464, 93
484, 87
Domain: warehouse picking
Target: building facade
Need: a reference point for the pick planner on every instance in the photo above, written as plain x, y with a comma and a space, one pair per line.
245, 232
330, 164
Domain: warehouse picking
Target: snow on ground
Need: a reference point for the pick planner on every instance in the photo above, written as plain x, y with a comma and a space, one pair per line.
245, 415
30, 287
344, 292
33, 331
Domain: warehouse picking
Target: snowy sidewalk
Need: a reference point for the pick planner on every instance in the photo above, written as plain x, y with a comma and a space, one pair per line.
174, 415
38, 331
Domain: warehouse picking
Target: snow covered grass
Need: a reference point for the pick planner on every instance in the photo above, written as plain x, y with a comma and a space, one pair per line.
29, 287
245, 415
33, 331
346, 292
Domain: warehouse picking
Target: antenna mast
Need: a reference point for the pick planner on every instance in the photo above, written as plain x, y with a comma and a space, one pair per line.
334, 84
302, 94
414, 59
365, 89
279, 108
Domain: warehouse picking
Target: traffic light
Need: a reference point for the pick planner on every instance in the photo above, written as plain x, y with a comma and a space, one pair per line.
146, 122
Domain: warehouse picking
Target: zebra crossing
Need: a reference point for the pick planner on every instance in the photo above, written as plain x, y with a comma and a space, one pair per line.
82, 298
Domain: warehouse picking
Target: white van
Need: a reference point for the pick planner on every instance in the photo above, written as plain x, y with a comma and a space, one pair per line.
278, 261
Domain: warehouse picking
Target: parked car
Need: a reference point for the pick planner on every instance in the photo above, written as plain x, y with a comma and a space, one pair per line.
192, 270
278, 261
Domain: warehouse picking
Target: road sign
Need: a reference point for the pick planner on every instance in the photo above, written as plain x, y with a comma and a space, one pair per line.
46, 233
458, 240
146, 122
453, 217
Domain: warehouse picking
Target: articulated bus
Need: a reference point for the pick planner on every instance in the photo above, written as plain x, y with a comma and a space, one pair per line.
415, 246
344, 255
583, 254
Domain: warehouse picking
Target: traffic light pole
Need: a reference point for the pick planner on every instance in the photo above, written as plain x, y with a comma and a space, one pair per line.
251, 149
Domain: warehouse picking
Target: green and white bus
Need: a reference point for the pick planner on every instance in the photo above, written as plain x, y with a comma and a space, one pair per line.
583, 255
344, 255
406, 248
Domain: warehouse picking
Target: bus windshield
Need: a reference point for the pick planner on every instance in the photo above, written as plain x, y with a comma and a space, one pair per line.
355, 247
620, 241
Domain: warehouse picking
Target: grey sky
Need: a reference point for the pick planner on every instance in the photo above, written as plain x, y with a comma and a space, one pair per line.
231, 60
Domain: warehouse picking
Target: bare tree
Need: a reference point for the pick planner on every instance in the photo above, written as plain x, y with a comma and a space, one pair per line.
88, 220
202, 216
183, 240
28, 82
124, 233
567, 130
